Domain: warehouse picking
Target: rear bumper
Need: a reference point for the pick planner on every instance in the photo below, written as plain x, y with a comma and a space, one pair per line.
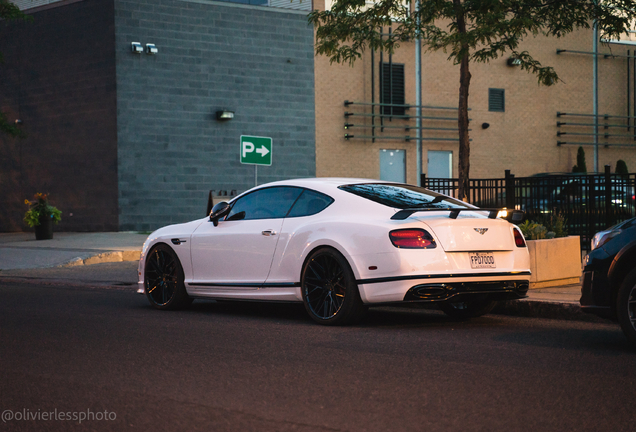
437, 288
459, 291
596, 295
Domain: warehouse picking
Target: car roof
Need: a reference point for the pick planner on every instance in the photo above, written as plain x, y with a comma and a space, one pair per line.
323, 184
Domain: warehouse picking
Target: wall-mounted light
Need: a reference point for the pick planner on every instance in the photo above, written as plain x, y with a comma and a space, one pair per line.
513, 61
136, 47
348, 125
224, 115
151, 49
485, 125
18, 122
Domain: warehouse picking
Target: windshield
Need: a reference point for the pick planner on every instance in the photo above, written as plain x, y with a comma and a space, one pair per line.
403, 196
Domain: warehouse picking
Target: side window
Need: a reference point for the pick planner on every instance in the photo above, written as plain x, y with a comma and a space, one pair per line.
310, 203
269, 203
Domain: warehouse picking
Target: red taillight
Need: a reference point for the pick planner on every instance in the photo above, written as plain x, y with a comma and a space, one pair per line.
519, 240
412, 239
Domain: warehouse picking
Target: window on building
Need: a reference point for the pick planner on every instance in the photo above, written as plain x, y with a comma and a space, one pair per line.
440, 164
496, 100
393, 165
392, 88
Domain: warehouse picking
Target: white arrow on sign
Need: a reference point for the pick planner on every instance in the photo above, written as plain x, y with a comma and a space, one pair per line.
262, 151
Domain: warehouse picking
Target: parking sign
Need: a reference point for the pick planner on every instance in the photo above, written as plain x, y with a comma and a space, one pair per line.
256, 150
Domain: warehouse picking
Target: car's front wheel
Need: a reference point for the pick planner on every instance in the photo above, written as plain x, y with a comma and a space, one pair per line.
467, 309
329, 289
163, 279
626, 306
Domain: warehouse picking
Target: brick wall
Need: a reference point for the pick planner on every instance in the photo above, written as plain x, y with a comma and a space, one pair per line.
58, 77
522, 139
255, 61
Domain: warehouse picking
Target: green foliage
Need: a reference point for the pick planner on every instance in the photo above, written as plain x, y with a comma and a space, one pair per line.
555, 223
40, 208
10, 12
581, 166
533, 231
621, 168
483, 30
548, 227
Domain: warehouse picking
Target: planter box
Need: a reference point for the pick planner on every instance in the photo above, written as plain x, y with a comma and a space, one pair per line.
555, 262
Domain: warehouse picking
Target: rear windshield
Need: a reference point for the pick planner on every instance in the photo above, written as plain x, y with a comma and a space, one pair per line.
402, 196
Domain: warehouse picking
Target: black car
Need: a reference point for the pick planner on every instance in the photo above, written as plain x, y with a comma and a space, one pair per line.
609, 276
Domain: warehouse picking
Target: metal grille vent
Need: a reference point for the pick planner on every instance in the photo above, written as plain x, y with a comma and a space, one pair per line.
496, 100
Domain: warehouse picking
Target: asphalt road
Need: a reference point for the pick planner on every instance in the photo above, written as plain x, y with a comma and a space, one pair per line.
264, 367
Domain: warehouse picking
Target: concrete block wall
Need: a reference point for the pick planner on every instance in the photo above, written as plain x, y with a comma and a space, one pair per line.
255, 61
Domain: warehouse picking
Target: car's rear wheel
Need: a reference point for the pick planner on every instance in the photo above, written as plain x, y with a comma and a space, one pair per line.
464, 310
163, 279
329, 289
626, 306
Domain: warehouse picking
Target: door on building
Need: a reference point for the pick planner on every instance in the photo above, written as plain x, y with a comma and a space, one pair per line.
440, 164
393, 165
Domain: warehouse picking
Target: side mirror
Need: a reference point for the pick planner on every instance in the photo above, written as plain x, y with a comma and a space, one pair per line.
218, 211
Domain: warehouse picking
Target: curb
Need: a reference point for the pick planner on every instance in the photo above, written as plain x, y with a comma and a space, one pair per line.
71, 283
545, 309
104, 257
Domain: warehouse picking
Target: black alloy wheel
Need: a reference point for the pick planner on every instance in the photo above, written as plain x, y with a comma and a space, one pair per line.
467, 309
163, 279
329, 289
626, 306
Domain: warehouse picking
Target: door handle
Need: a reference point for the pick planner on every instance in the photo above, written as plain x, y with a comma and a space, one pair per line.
269, 233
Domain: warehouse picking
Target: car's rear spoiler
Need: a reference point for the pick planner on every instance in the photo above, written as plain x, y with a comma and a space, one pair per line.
513, 216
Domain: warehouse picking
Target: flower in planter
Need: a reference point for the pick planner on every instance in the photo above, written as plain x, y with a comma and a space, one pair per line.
40, 208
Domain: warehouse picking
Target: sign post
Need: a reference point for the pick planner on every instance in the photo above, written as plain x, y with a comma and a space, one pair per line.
256, 151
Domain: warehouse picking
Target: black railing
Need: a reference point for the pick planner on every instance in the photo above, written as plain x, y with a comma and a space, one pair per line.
589, 202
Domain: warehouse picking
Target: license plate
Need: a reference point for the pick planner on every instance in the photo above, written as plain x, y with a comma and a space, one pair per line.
482, 260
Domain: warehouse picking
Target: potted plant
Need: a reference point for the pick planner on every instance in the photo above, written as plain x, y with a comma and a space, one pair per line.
555, 257
41, 215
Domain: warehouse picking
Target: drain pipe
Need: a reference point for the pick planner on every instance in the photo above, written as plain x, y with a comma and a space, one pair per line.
595, 94
418, 100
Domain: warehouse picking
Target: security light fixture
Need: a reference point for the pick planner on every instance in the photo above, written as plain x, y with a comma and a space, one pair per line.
136, 47
151, 49
513, 61
18, 121
485, 125
224, 115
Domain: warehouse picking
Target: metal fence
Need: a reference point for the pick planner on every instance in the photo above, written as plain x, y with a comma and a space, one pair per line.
588, 202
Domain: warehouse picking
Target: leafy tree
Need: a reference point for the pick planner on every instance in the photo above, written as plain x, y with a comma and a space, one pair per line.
468, 30
621, 167
581, 166
10, 12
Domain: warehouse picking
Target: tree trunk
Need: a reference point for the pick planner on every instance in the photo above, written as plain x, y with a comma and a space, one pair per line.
462, 115
462, 120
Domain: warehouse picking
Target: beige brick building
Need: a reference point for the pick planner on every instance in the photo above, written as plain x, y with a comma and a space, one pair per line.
522, 131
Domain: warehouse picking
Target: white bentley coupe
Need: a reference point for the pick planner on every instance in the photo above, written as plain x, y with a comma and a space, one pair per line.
340, 246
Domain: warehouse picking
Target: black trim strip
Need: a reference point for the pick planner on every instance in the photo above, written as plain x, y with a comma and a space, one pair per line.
513, 215
440, 276
247, 285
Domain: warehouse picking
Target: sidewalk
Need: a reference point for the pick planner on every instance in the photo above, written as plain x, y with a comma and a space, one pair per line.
68, 259
22, 251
